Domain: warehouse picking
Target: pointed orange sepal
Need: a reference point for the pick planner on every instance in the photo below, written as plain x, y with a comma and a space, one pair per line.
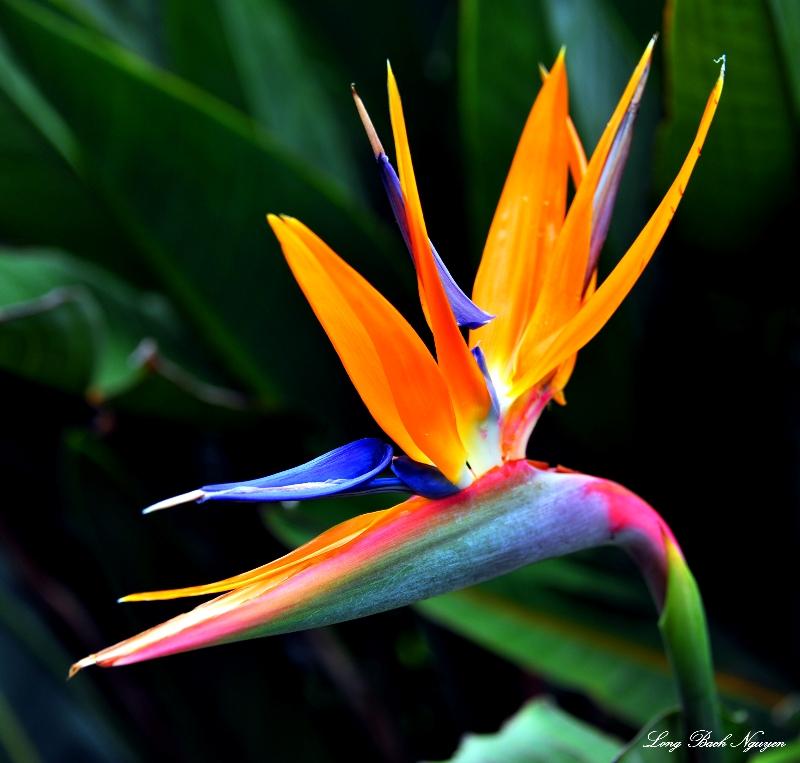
600, 306
388, 363
526, 223
565, 276
576, 155
465, 382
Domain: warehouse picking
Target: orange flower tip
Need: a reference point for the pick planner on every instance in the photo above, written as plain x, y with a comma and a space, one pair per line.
374, 140
280, 222
135, 597
647, 56
128, 598
86, 662
544, 71
168, 503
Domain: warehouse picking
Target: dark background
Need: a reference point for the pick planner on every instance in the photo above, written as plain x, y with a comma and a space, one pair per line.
141, 143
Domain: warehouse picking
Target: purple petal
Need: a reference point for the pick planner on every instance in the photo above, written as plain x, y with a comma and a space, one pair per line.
480, 359
338, 471
422, 479
466, 312
380, 485
608, 185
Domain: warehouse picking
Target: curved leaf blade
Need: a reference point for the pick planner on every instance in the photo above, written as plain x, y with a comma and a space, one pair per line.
69, 324
260, 57
751, 152
191, 179
539, 732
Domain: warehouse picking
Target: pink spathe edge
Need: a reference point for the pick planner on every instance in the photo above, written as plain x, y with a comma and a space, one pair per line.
641, 531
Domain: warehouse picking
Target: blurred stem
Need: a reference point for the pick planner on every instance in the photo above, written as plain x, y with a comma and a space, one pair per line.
647, 538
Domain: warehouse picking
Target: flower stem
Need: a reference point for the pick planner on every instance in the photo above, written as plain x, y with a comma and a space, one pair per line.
685, 634
646, 537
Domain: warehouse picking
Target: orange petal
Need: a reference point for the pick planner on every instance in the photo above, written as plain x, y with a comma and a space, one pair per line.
576, 156
565, 275
388, 363
528, 218
600, 306
465, 382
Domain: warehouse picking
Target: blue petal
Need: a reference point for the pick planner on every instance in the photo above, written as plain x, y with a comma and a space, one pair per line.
606, 193
337, 471
466, 312
480, 359
423, 479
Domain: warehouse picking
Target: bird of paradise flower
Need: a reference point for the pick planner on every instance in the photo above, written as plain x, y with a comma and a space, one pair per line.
464, 416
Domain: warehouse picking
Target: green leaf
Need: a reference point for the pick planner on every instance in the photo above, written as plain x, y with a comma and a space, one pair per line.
69, 324
538, 733
748, 160
191, 179
44, 199
258, 55
575, 641
781, 755
582, 639
652, 743
200, 49
786, 21
501, 47
135, 24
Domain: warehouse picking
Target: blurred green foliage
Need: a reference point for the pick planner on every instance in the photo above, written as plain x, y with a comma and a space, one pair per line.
539, 733
152, 339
